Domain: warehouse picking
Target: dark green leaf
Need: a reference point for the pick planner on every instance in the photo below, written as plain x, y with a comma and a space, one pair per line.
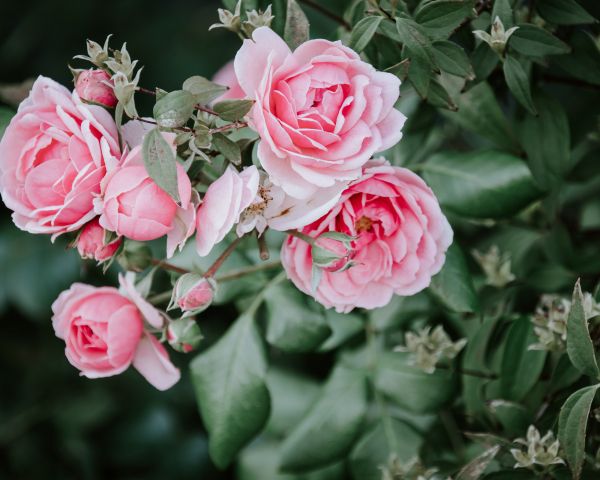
5, 115
174, 109
517, 80
513, 417
373, 450
563, 12
328, 430
229, 380
343, 326
414, 38
233, 110
484, 61
363, 32
453, 286
229, 149
547, 142
410, 387
521, 367
451, 58
484, 184
439, 97
439, 18
475, 468
160, 163
419, 75
579, 344
203, 90
572, 427
584, 61
296, 25
479, 112
535, 41
292, 326
503, 10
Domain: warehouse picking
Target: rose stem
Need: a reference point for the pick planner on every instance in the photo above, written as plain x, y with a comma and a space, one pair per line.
301, 236
219, 261
234, 274
168, 266
263, 248
202, 108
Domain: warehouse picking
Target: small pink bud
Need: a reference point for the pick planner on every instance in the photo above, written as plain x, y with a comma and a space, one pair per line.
184, 334
91, 86
330, 254
192, 293
92, 243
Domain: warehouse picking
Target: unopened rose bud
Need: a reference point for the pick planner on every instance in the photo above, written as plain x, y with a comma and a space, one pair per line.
332, 252
184, 334
94, 243
192, 294
135, 257
94, 86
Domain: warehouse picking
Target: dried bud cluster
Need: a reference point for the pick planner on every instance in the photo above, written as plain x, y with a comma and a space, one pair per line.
543, 451
495, 265
410, 470
233, 20
499, 37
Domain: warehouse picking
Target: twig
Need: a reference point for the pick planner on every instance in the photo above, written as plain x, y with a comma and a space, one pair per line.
327, 13
301, 236
229, 126
219, 261
263, 248
259, 267
168, 266
152, 122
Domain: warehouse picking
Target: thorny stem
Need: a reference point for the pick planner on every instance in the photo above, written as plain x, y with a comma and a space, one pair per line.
327, 13
259, 267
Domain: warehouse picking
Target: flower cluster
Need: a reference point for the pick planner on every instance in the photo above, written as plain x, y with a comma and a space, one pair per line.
543, 451
360, 230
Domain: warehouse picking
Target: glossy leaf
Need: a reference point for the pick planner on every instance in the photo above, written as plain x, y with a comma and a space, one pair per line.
517, 80
579, 344
363, 32
203, 90
413, 36
229, 380
535, 41
439, 18
160, 163
233, 110
451, 58
174, 109
484, 184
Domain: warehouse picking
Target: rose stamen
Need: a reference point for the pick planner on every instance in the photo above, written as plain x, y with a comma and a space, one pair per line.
363, 224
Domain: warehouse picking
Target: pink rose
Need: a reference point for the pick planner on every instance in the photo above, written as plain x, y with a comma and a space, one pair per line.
103, 330
226, 77
93, 85
92, 243
321, 112
134, 206
225, 199
53, 156
402, 237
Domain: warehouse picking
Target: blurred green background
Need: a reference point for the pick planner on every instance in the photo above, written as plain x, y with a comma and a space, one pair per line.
54, 424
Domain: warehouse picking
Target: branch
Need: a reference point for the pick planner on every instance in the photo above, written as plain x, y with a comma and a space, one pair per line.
219, 261
234, 274
169, 266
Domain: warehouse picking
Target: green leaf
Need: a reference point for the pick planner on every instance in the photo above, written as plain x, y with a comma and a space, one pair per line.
484, 61
535, 41
547, 142
439, 97
513, 417
389, 437
229, 149
363, 32
419, 74
229, 380
439, 18
479, 112
203, 90
160, 163
5, 116
579, 344
520, 367
292, 326
475, 468
233, 110
584, 61
411, 388
328, 430
343, 327
563, 12
517, 80
296, 25
451, 58
453, 286
572, 426
413, 36
174, 109
503, 10
481, 184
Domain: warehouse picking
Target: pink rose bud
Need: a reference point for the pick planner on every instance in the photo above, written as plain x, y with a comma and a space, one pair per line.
192, 294
332, 251
93, 85
184, 335
93, 243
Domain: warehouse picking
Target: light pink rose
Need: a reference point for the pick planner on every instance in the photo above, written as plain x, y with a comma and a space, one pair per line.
103, 330
192, 293
225, 199
53, 156
134, 206
226, 77
93, 85
92, 243
402, 240
321, 112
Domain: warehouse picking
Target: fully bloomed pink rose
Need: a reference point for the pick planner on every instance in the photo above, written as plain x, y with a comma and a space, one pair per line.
92, 243
402, 237
321, 112
103, 329
225, 199
226, 76
93, 85
134, 206
53, 155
